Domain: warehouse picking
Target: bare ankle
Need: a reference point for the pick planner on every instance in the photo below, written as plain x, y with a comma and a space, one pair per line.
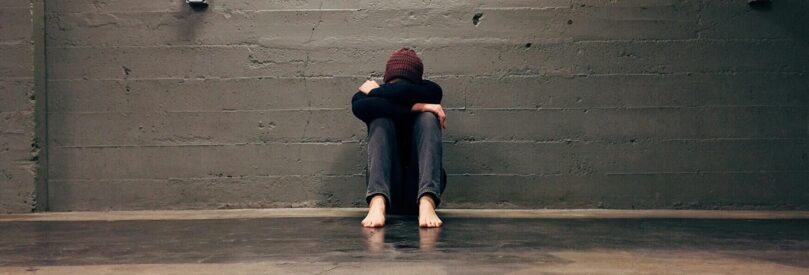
427, 200
377, 203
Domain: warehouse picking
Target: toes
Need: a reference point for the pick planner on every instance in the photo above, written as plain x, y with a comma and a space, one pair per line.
434, 223
430, 222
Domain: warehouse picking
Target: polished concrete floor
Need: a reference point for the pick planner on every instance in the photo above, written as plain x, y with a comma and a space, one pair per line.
469, 243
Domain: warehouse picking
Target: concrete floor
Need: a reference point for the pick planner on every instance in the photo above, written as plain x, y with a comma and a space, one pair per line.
330, 241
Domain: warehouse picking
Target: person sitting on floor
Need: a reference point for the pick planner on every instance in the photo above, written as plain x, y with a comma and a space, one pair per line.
404, 117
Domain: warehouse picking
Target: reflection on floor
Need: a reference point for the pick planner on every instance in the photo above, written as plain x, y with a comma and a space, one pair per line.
465, 245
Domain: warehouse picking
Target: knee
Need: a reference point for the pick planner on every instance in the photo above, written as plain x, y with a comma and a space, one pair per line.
381, 122
382, 125
426, 120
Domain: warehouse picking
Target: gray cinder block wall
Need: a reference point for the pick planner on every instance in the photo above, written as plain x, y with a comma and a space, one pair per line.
552, 104
17, 145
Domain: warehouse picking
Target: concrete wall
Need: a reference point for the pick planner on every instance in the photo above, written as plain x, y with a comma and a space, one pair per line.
17, 156
554, 103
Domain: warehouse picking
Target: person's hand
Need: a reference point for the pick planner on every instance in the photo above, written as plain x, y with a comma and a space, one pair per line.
368, 86
435, 109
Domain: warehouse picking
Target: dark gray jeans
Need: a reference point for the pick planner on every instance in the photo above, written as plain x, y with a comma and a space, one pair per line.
404, 180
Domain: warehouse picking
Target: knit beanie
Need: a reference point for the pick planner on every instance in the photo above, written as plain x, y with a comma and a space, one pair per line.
404, 63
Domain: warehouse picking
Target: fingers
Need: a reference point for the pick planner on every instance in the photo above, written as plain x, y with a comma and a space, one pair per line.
371, 83
368, 86
443, 122
442, 117
435, 109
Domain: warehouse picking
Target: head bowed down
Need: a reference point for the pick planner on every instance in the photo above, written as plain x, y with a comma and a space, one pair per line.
404, 63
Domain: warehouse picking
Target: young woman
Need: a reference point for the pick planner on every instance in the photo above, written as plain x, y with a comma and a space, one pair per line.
404, 118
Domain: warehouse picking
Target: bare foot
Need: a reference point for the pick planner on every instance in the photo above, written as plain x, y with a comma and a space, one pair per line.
376, 212
427, 215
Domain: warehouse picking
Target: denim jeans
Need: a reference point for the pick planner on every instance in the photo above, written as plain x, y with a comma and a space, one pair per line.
405, 161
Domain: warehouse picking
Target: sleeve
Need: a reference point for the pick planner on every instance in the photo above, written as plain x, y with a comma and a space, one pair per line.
368, 108
408, 94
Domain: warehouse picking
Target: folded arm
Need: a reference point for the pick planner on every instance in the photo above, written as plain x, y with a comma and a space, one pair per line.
408, 93
397, 100
368, 108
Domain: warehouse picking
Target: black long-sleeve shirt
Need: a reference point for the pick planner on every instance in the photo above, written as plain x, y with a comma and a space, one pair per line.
394, 100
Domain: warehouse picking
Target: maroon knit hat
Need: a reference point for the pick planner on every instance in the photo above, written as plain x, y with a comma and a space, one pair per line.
404, 63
